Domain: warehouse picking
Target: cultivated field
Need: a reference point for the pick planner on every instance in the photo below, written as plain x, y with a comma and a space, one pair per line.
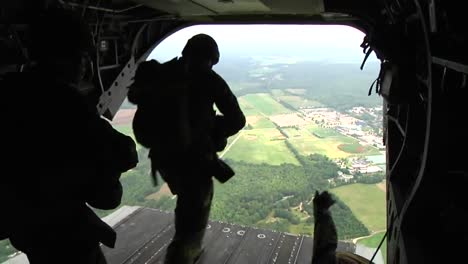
125, 129
367, 201
306, 142
312, 144
247, 107
299, 102
262, 142
265, 104
322, 132
286, 120
123, 117
261, 146
355, 148
297, 133
258, 121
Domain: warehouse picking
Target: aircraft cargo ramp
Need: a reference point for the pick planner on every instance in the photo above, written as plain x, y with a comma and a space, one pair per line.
144, 234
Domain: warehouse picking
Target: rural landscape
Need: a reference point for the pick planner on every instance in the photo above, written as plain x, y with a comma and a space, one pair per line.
310, 126
298, 139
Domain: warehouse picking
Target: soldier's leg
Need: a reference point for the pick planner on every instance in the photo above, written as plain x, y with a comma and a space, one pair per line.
191, 218
193, 208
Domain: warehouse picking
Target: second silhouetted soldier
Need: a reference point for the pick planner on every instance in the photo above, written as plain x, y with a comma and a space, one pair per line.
65, 155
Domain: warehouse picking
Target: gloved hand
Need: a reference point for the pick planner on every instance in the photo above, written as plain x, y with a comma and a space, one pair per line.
322, 202
219, 143
106, 191
127, 156
221, 170
219, 139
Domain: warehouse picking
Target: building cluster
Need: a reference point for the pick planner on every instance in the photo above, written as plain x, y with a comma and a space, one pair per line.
363, 165
374, 111
355, 165
347, 124
327, 117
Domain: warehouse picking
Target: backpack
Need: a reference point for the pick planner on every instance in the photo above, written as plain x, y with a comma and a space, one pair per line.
161, 122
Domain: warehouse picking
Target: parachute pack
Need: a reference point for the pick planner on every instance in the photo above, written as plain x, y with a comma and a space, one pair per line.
161, 94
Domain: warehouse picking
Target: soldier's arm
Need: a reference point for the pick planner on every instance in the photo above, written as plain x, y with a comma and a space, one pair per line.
98, 140
233, 119
115, 153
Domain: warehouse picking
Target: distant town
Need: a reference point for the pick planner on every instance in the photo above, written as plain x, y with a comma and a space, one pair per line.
361, 123
348, 124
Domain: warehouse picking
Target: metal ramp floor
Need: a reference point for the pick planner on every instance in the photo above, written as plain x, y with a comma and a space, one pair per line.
143, 235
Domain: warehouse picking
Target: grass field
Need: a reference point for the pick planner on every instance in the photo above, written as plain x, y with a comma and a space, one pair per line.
298, 101
263, 122
307, 146
6, 249
322, 132
302, 228
247, 108
261, 146
296, 133
334, 144
353, 148
127, 130
356, 148
306, 143
367, 202
265, 104
373, 242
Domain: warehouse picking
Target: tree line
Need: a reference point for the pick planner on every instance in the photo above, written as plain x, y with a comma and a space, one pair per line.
260, 195
264, 195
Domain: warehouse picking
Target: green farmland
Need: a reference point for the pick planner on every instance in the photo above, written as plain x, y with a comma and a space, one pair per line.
261, 149
374, 241
261, 146
367, 202
298, 101
265, 104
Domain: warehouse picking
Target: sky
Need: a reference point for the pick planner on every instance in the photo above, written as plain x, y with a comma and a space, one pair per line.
330, 43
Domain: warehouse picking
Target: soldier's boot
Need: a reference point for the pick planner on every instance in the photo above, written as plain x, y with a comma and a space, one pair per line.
185, 251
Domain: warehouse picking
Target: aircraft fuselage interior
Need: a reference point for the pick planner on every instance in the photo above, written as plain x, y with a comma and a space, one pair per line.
423, 49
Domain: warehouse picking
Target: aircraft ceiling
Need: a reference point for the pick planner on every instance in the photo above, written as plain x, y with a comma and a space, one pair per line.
235, 7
